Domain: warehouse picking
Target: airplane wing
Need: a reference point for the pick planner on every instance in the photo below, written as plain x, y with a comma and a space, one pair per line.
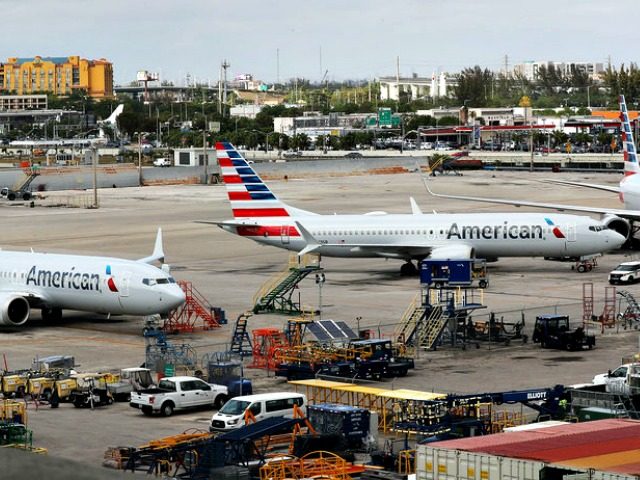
595, 186
401, 250
620, 212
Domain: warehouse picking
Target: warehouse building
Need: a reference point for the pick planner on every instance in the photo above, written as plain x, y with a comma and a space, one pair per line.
603, 449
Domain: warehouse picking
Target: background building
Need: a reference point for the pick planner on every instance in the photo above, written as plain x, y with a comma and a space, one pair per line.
530, 70
57, 75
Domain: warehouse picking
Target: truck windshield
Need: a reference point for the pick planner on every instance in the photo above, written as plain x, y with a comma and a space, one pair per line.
234, 407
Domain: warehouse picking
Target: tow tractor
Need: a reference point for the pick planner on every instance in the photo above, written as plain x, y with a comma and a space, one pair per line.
553, 331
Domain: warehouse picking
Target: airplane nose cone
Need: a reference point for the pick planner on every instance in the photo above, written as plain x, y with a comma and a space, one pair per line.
175, 298
615, 240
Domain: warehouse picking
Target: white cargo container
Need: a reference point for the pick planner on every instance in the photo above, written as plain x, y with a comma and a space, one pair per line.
445, 464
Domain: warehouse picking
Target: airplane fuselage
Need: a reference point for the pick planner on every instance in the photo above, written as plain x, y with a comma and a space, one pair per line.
94, 284
488, 235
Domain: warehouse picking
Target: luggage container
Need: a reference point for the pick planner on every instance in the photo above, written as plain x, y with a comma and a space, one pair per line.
352, 423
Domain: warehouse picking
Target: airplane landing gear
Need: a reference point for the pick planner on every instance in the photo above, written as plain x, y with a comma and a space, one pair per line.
408, 269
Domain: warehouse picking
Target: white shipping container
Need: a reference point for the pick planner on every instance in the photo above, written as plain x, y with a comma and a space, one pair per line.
445, 464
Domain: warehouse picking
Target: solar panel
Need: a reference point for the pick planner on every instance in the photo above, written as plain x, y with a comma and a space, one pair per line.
318, 332
332, 328
347, 330
331, 331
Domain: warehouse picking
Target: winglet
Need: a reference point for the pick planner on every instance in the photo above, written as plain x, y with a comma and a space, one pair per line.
415, 209
312, 243
158, 251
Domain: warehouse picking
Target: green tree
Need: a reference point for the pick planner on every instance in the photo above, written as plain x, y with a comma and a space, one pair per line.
474, 86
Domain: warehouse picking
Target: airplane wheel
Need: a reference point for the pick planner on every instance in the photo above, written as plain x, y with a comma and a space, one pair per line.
582, 269
408, 269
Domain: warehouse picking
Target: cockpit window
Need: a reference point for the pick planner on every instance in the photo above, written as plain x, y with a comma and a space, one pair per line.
597, 228
162, 281
149, 281
158, 281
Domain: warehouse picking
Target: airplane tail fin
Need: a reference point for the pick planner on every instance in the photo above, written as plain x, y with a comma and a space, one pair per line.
248, 194
629, 146
158, 251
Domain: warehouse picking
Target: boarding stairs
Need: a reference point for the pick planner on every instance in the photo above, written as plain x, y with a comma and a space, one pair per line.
276, 295
412, 317
240, 340
196, 313
632, 312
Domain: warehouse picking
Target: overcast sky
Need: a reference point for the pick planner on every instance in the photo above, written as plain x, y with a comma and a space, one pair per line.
351, 39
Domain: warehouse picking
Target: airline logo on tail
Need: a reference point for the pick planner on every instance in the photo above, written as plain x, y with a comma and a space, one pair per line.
630, 154
248, 194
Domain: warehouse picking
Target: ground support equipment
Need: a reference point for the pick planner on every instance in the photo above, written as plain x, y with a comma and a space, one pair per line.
195, 314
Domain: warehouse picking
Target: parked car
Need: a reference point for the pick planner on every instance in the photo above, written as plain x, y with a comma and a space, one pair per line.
627, 272
353, 155
162, 162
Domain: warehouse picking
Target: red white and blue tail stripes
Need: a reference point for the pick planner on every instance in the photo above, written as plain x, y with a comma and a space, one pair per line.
630, 154
248, 194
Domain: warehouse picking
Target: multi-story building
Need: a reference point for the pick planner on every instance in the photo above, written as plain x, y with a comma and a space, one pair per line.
23, 102
530, 70
57, 75
415, 87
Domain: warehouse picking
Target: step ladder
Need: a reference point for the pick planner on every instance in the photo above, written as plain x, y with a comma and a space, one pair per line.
275, 296
632, 312
240, 340
196, 313
412, 317
434, 326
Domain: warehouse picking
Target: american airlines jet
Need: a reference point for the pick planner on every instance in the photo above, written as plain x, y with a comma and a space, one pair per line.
112, 286
622, 220
262, 217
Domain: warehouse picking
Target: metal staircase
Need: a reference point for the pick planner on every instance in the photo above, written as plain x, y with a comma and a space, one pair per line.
434, 326
412, 317
196, 313
275, 296
632, 312
240, 340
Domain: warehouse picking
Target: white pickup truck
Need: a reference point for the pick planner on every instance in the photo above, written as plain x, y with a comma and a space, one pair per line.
178, 393
624, 380
162, 162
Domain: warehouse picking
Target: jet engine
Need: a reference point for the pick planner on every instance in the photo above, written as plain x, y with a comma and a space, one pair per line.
14, 310
618, 224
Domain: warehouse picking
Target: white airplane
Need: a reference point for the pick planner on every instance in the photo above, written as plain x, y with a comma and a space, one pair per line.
112, 286
101, 139
260, 216
621, 220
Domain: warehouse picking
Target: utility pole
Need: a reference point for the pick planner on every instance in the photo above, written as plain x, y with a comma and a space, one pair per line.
277, 66
398, 80
94, 154
225, 66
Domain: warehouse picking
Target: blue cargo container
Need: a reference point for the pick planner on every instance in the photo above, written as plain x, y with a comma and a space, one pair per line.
453, 272
351, 422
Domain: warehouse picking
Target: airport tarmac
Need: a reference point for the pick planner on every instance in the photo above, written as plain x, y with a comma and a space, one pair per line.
228, 270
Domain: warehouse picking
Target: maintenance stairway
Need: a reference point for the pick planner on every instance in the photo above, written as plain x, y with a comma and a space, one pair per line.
632, 312
240, 340
195, 314
275, 295
430, 313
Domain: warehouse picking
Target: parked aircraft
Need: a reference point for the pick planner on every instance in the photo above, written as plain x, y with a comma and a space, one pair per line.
101, 139
622, 220
55, 282
262, 217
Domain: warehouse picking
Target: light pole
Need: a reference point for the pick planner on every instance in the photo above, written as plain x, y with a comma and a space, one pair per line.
139, 157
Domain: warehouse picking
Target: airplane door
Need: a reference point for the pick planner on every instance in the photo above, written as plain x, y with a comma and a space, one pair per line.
571, 233
124, 285
284, 234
